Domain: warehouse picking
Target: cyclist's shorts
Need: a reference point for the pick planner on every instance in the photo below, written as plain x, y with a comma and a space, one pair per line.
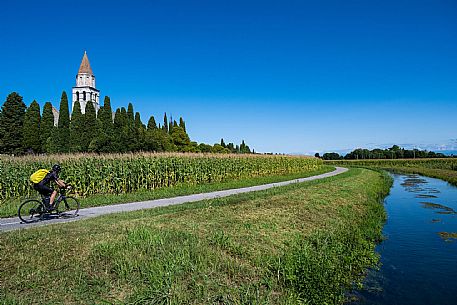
43, 189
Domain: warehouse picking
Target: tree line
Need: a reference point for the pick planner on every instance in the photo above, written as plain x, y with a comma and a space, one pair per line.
28, 130
394, 152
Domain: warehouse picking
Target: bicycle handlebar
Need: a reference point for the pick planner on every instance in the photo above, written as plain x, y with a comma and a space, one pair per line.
66, 188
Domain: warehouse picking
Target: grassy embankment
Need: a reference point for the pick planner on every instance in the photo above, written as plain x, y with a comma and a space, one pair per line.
307, 242
442, 168
109, 179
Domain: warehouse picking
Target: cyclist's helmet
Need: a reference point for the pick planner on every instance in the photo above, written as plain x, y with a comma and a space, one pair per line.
56, 168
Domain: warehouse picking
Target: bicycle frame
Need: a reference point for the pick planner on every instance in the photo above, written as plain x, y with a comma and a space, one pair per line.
61, 196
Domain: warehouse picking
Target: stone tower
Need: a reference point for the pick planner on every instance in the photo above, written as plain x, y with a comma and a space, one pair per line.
85, 91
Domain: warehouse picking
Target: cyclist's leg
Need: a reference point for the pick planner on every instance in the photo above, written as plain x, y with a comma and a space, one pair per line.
53, 196
45, 191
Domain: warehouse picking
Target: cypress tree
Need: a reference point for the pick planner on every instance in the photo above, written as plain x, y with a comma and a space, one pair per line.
140, 132
244, 149
101, 134
31, 129
132, 134
106, 118
182, 124
125, 131
11, 123
50, 145
130, 115
170, 124
100, 114
138, 123
242, 146
47, 126
123, 117
77, 129
152, 123
90, 126
63, 126
117, 131
105, 134
165, 123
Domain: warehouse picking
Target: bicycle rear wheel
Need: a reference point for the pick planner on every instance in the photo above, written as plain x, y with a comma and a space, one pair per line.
31, 211
68, 207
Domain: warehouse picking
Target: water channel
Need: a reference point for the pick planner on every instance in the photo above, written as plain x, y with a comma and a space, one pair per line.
419, 254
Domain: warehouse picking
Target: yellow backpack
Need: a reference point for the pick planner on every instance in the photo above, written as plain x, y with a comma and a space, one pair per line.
39, 175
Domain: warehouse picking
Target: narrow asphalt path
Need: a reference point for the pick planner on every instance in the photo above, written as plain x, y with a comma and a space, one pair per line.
10, 224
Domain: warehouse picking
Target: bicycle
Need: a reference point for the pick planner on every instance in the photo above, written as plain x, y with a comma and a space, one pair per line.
33, 210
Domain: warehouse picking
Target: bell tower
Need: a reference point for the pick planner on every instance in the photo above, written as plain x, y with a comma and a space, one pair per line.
85, 91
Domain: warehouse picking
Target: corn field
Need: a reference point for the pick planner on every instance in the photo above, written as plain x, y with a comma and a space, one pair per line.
438, 163
125, 173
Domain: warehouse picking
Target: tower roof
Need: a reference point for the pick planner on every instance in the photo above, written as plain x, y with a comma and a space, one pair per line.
85, 65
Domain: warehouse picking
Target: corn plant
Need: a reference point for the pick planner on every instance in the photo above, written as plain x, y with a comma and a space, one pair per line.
125, 173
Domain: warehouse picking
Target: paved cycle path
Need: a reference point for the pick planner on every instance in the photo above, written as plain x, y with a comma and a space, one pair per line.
13, 223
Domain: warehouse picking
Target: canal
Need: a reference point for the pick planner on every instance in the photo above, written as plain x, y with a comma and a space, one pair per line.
419, 253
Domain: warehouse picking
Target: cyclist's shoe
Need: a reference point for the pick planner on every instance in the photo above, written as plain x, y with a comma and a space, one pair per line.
50, 208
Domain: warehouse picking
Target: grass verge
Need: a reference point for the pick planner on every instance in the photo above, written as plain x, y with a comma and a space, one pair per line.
441, 168
9, 208
304, 243
443, 174
448, 175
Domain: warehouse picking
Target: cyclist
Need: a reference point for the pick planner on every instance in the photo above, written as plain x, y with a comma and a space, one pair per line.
43, 186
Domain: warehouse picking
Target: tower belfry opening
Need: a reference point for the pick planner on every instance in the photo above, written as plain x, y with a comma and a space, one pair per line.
85, 92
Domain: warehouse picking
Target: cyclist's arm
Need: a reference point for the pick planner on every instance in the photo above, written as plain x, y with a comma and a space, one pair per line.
60, 183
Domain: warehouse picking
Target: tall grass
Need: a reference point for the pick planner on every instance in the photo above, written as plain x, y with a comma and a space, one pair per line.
322, 267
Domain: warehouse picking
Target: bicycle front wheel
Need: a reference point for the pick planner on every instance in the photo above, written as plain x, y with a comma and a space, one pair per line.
68, 207
31, 211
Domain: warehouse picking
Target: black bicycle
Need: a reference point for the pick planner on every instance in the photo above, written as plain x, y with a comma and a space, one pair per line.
33, 210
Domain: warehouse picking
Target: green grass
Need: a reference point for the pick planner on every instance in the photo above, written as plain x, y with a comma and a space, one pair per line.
444, 174
441, 168
304, 243
9, 208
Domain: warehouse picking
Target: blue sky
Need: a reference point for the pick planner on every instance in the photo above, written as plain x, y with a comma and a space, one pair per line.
286, 76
